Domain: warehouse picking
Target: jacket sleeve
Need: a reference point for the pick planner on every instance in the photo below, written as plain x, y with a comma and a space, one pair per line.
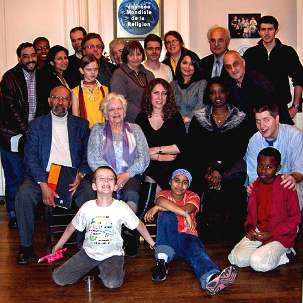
33, 161
83, 166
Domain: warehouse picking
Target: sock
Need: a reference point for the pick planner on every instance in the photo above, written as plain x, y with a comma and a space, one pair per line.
162, 256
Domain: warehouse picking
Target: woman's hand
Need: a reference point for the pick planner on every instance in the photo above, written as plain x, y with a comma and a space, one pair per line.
122, 179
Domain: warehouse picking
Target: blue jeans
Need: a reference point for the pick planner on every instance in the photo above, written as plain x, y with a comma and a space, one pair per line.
13, 169
185, 246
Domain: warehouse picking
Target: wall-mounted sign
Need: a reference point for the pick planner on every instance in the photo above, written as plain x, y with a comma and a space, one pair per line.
135, 19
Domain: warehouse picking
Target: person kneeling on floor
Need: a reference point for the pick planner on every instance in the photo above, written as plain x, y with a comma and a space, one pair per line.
102, 219
177, 236
272, 220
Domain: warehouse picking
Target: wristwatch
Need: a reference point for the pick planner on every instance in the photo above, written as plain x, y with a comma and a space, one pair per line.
296, 106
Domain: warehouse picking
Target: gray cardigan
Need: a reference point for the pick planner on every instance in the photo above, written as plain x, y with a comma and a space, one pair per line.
96, 143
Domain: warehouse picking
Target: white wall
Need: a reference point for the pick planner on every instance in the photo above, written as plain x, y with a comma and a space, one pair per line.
207, 13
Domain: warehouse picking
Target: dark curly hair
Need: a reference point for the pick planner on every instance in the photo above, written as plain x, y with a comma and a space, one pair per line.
170, 108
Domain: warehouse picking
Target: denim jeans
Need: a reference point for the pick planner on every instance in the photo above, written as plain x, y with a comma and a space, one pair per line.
185, 246
111, 270
13, 169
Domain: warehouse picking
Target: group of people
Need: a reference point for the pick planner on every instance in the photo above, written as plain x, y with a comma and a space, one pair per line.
159, 136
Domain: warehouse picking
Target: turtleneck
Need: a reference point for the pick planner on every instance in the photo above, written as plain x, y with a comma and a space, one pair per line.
60, 150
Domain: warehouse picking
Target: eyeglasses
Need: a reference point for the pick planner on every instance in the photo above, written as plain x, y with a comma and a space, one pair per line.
40, 49
60, 98
99, 46
171, 42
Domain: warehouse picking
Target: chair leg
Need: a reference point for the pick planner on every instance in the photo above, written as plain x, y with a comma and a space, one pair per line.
147, 198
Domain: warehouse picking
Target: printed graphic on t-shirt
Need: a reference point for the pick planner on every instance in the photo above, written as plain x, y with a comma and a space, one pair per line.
101, 230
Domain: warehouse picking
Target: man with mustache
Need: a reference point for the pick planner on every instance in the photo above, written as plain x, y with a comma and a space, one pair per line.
20, 102
58, 138
277, 62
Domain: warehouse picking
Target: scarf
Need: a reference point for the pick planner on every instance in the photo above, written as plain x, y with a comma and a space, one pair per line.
129, 146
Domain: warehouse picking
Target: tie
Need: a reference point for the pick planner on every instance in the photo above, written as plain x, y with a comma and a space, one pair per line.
217, 68
270, 142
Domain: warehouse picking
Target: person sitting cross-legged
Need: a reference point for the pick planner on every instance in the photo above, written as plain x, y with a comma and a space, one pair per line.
177, 236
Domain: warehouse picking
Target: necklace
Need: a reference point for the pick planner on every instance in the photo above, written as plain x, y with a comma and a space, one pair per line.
220, 119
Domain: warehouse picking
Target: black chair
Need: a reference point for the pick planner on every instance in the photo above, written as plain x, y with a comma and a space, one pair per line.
56, 220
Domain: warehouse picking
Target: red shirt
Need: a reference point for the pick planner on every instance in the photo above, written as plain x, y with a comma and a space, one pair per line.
264, 200
189, 198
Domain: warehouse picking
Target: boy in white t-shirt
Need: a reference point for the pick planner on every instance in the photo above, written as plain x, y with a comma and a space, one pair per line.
102, 219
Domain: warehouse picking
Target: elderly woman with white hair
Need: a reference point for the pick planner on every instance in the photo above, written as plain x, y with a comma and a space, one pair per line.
122, 146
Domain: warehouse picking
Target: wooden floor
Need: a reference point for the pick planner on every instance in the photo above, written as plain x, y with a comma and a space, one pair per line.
33, 283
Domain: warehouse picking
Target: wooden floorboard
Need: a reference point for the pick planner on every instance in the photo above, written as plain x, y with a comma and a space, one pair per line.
33, 283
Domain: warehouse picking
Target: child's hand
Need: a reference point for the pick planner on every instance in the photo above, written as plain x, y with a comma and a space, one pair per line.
249, 188
263, 236
56, 247
251, 235
150, 214
189, 222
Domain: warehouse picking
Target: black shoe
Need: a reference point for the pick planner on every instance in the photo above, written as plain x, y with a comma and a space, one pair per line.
25, 255
12, 224
160, 271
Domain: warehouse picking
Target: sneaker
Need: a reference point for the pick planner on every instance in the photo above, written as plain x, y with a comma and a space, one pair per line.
159, 271
219, 282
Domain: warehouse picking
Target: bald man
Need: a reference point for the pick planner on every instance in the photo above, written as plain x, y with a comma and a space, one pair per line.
57, 138
212, 65
247, 88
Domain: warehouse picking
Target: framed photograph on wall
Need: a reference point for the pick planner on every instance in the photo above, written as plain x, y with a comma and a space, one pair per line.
135, 19
243, 25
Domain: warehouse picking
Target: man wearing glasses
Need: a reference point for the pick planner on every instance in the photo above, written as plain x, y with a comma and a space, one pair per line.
93, 44
20, 102
41, 45
57, 138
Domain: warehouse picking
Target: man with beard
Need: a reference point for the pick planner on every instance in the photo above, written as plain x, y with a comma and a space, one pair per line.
57, 138
20, 103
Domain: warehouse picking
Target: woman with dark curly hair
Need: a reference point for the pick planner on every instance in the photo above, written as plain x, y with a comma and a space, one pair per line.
164, 130
189, 86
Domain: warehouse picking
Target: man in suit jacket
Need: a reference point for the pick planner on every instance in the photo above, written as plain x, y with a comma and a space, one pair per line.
57, 138
212, 65
20, 102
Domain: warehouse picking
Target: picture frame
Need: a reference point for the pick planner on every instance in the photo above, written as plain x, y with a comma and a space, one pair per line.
243, 26
135, 19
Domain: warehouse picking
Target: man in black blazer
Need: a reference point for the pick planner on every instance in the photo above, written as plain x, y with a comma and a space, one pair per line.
212, 65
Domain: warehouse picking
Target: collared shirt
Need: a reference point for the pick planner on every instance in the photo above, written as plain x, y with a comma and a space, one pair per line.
289, 142
30, 79
217, 66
